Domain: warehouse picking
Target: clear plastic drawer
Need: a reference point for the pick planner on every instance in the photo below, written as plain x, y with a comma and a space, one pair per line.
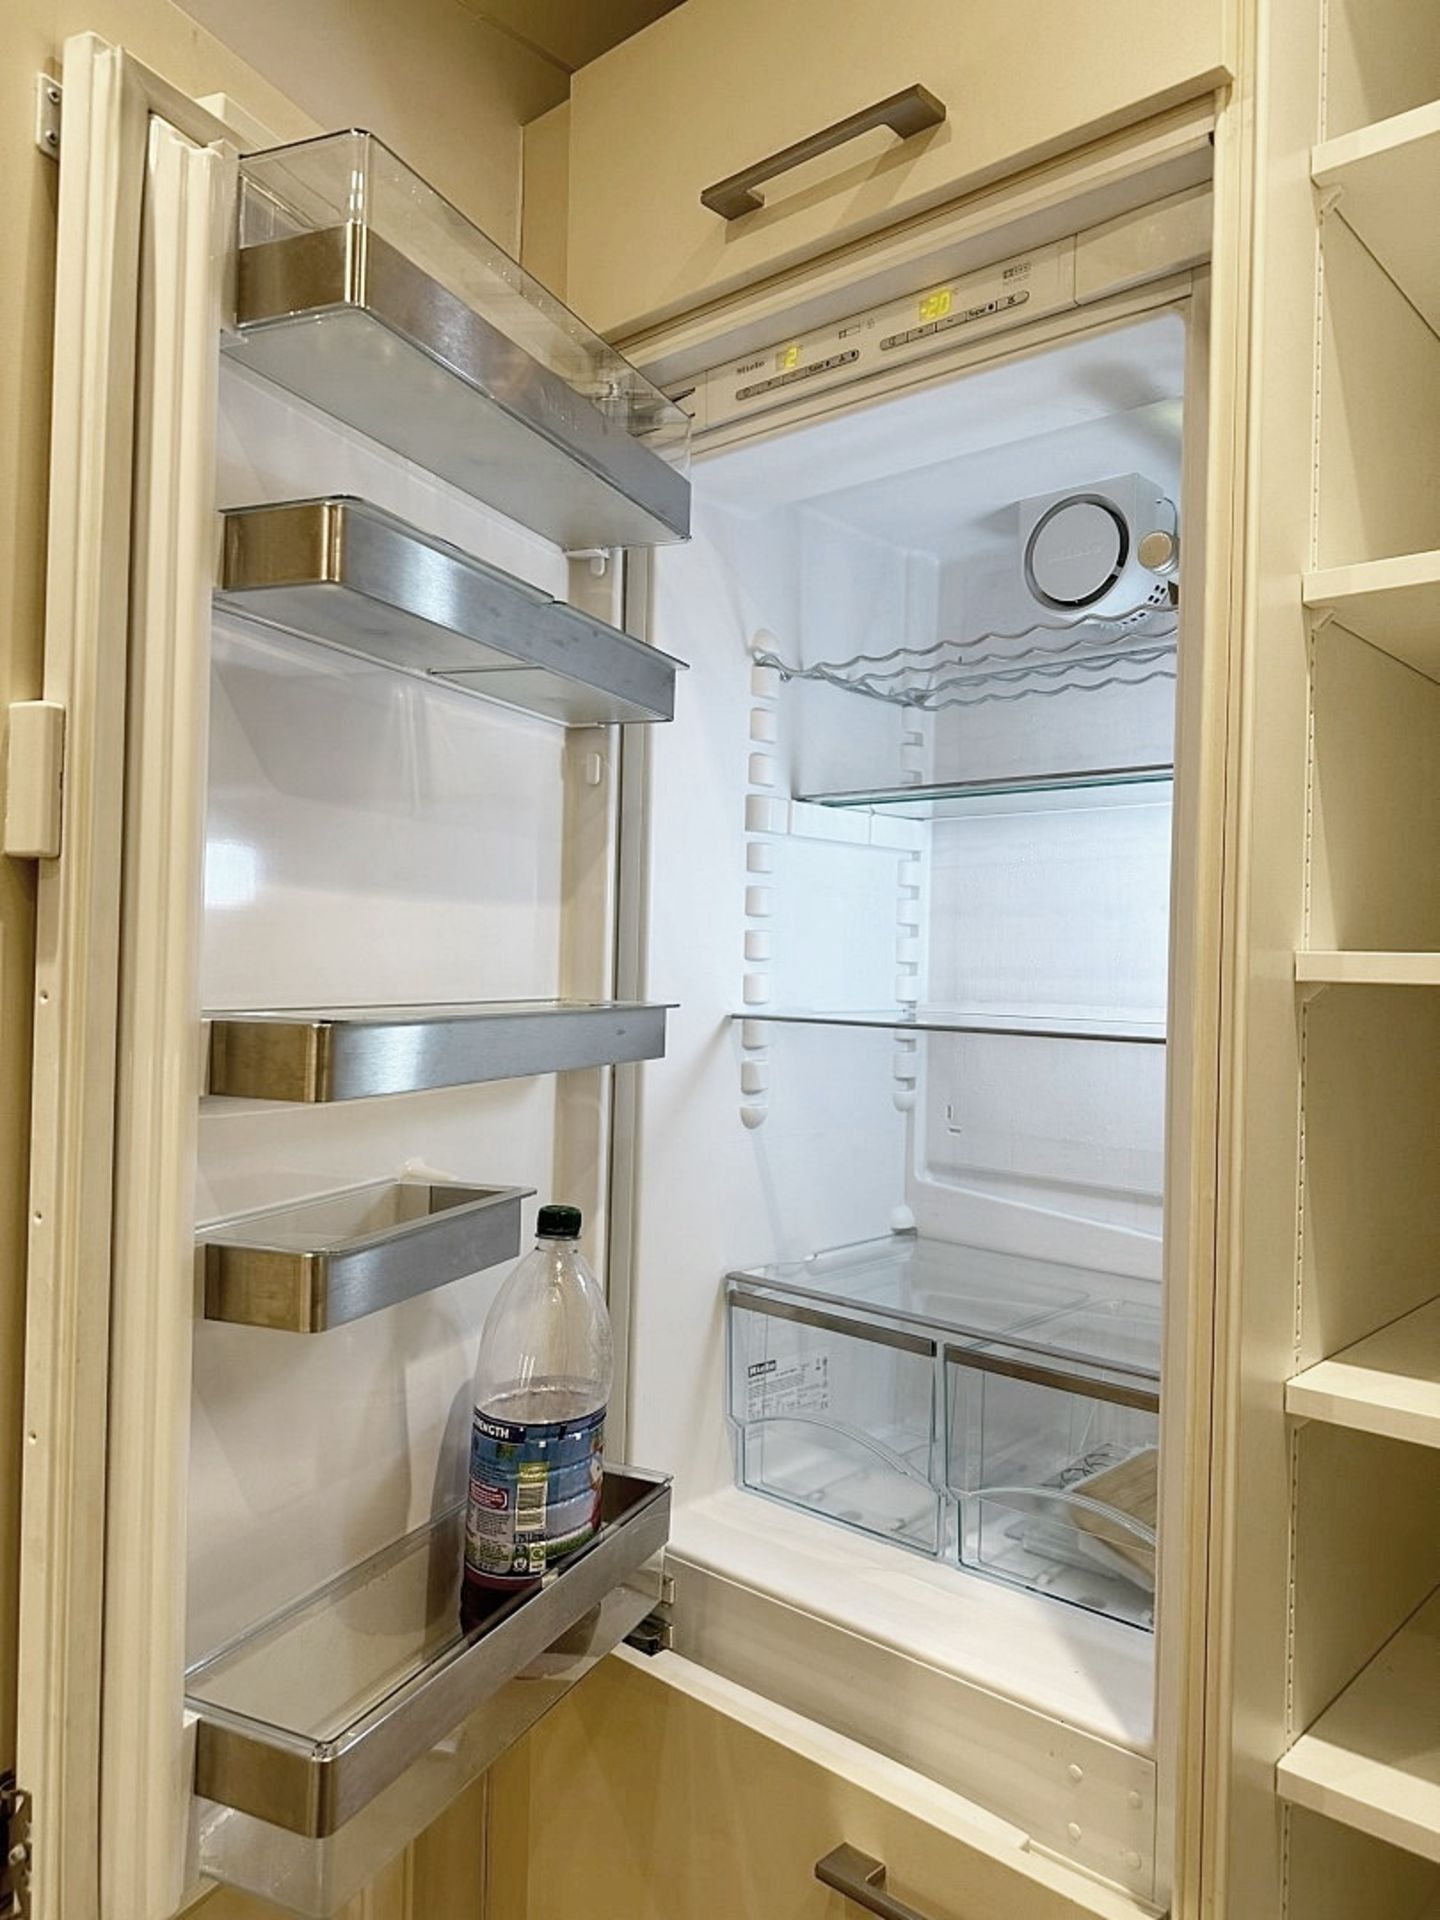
1052, 1451
836, 1415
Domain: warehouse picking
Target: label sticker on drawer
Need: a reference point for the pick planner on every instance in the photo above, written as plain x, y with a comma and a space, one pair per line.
800, 1386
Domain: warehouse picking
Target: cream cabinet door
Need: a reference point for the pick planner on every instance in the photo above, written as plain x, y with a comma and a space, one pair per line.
659, 1791
719, 85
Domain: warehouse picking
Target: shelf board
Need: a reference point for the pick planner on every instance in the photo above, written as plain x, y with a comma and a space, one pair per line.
343, 572
342, 318
1372, 1759
307, 1719
938, 799
322, 1262
1394, 604
1358, 968
942, 1020
1387, 175
315, 1054
1388, 1383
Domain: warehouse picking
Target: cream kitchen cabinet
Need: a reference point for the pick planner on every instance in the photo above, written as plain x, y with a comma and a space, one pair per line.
718, 86
660, 1791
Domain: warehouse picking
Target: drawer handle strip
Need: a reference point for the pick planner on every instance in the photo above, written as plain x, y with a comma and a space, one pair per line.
1142, 1399
861, 1878
909, 112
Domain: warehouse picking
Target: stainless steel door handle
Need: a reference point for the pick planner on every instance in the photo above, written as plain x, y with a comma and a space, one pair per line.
911, 111
861, 1878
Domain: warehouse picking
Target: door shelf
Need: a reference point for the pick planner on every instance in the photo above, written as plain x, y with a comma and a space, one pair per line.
1150, 1033
1394, 604
1358, 968
307, 1719
932, 800
322, 1262
343, 572
320, 1054
1388, 1383
363, 291
1372, 1759
1387, 174
993, 1410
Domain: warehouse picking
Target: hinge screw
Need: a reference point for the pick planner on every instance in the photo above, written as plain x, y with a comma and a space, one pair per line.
18, 1854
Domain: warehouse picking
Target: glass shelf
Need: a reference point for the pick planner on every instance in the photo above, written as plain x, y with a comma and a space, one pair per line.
315, 1054
933, 800
344, 573
322, 1262
1037, 1026
362, 290
309, 1718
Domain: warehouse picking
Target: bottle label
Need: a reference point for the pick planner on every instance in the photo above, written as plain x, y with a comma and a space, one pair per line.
534, 1494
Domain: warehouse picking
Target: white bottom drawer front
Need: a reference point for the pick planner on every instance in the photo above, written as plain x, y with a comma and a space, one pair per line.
662, 1791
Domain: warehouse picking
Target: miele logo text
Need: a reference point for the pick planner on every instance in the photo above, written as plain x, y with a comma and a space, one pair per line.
1017, 272
761, 1366
749, 366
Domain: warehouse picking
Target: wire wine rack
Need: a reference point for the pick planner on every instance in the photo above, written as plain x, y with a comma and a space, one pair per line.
1041, 660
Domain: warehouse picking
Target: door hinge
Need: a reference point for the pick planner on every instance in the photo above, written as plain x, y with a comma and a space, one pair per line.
48, 98
34, 779
14, 1848
655, 1633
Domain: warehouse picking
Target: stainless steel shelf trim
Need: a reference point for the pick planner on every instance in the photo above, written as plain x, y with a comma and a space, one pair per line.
322, 1054
832, 1322
348, 271
1061, 1379
343, 572
312, 1787
257, 1273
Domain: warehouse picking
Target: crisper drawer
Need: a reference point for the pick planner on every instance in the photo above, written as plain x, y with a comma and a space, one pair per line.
837, 1416
1053, 1460
717, 87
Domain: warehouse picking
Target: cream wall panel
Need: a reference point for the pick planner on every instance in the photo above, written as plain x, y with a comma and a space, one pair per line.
720, 84
1265, 339
545, 197
1371, 1202
448, 90
1382, 58
1379, 453
1375, 800
657, 1792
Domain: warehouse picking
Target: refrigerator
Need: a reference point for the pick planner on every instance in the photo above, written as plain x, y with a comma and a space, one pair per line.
759, 813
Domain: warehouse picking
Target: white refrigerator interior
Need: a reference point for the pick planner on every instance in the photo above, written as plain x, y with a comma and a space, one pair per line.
909, 885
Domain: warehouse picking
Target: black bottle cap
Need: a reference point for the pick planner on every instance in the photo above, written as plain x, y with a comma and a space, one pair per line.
558, 1223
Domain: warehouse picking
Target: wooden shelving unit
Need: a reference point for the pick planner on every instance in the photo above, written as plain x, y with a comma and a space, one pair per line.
1388, 1383
1388, 178
1372, 1759
1394, 604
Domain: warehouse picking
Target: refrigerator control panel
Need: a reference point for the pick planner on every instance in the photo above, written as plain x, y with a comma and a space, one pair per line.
1007, 294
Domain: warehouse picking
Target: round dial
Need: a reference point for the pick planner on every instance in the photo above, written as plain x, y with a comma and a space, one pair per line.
1076, 552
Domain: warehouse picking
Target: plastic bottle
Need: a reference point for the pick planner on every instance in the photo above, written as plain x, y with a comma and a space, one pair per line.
537, 1439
